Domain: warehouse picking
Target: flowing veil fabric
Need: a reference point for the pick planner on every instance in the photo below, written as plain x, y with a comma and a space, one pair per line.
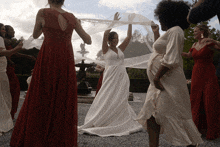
94, 26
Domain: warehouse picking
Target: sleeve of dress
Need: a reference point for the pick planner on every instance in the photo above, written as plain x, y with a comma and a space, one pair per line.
2, 43
73, 20
173, 48
204, 11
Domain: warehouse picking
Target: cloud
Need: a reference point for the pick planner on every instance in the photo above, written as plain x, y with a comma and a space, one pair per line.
21, 16
214, 23
126, 4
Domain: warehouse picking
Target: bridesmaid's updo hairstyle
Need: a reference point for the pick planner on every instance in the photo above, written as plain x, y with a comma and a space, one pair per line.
172, 13
111, 35
57, 2
1, 25
205, 29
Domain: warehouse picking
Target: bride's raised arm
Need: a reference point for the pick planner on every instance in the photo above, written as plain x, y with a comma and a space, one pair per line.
125, 43
106, 33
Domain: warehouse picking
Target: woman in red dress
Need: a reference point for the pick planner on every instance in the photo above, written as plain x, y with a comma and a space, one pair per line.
48, 117
205, 94
101, 70
13, 79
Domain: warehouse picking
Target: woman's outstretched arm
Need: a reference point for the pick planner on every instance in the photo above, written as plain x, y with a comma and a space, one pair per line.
187, 55
81, 32
8, 53
125, 43
106, 33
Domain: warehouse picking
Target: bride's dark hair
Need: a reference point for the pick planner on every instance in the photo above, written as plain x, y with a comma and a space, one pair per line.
111, 35
57, 2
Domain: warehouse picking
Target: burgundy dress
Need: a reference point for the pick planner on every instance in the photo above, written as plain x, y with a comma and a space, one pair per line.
14, 86
48, 117
99, 83
205, 94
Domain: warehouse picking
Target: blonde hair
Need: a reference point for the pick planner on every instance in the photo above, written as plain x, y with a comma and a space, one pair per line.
205, 29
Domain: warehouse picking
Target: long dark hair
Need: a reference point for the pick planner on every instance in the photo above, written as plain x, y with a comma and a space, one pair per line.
172, 13
1, 25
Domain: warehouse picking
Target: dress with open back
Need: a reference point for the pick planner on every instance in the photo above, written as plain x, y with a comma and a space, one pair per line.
48, 117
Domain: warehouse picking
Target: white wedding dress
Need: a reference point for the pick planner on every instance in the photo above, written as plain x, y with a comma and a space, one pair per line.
171, 107
110, 113
6, 122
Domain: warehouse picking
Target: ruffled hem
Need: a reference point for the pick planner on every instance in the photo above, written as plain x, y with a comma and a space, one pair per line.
178, 132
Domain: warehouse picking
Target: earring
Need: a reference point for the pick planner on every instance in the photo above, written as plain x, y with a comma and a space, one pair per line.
202, 36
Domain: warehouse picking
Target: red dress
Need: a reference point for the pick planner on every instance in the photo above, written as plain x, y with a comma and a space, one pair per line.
14, 86
99, 83
205, 94
48, 117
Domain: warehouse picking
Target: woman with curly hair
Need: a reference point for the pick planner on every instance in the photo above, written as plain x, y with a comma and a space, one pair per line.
205, 94
167, 106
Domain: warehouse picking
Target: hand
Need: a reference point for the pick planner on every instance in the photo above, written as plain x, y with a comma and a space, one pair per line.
158, 84
155, 28
19, 46
116, 16
131, 17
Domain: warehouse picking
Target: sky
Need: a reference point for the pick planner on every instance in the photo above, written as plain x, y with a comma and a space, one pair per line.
21, 14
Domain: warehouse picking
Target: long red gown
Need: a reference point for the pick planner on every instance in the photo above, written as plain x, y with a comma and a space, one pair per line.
205, 94
48, 117
14, 86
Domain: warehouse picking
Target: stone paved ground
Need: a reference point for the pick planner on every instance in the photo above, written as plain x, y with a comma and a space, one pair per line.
139, 139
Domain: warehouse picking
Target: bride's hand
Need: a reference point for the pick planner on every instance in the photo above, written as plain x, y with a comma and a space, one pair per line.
116, 16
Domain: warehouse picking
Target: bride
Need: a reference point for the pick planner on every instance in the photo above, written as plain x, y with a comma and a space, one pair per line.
110, 113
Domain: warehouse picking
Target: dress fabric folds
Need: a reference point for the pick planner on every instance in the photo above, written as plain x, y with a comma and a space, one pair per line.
110, 113
171, 107
205, 93
14, 86
6, 123
48, 117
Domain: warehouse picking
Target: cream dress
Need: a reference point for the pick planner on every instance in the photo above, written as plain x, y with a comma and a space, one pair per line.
170, 107
110, 113
6, 122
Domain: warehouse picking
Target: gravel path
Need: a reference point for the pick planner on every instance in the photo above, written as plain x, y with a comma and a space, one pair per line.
139, 139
